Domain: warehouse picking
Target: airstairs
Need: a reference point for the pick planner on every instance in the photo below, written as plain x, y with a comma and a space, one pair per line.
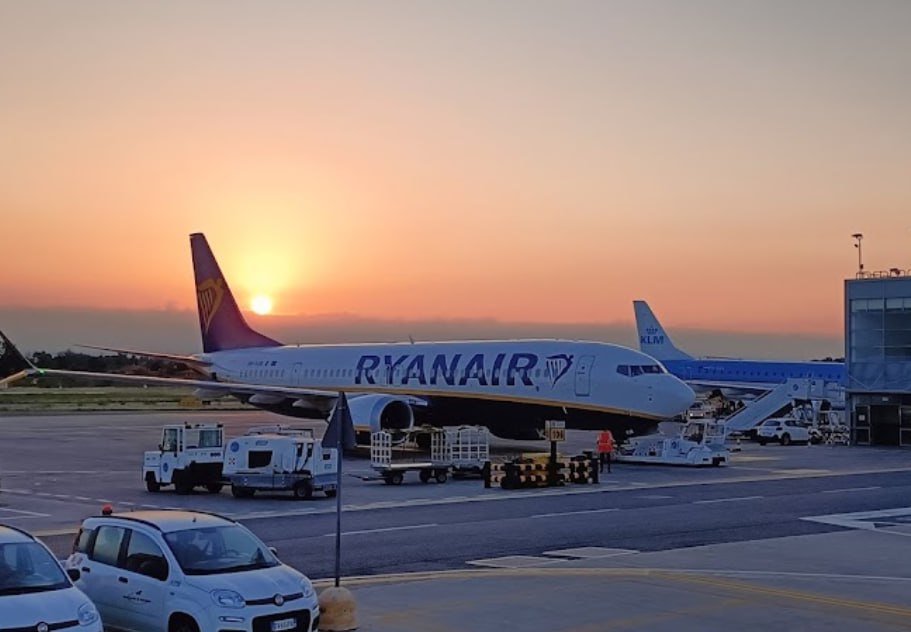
775, 401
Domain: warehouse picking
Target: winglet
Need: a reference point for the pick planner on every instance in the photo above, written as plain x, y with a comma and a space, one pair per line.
13, 364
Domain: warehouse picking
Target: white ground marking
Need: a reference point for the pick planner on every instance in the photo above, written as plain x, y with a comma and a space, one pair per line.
850, 489
23, 514
515, 561
385, 529
589, 552
882, 521
573, 513
726, 500
655, 497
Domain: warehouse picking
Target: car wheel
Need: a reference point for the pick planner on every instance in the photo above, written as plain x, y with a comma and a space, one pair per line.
303, 490
424, 475
331, 493
397, 478
241, 492
786, 439
182, 623
151, 484
762, 441
181, 483
440, 476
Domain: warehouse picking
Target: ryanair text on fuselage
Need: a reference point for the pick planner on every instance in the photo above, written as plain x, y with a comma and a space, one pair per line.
456, 370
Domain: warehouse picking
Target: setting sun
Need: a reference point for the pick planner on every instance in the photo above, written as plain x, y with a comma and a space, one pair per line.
261, 304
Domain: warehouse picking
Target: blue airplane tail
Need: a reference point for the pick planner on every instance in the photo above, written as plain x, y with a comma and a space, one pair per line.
653, 339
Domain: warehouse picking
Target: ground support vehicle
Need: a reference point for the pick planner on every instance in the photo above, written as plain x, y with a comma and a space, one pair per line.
35, 592
188, 456
699, 442
184, 571
467, 450
392, 471
286, 460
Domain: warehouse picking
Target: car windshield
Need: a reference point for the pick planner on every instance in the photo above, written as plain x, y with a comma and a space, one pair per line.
211, 550
772, 424
27, 567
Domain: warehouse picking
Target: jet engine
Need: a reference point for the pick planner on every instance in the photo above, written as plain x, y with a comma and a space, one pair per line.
381, 412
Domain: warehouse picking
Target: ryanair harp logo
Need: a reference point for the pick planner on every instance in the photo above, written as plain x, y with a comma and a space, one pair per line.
557, 366
209, 295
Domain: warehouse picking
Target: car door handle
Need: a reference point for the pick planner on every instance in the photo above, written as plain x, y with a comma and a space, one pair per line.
122, 580
86, 569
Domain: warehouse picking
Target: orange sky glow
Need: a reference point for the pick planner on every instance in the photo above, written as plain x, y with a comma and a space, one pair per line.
545, 163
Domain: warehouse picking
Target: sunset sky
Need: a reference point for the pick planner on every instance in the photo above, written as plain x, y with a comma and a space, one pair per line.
522, 162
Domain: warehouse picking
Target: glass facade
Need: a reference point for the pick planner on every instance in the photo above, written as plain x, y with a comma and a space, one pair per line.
880, 329
878, 356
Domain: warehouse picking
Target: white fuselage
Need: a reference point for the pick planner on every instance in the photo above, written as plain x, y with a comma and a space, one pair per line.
578, 375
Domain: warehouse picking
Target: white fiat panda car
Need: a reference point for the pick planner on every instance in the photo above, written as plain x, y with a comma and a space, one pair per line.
35, 594
184, 571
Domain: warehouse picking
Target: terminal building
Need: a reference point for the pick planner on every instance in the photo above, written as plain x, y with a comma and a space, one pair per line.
878, 357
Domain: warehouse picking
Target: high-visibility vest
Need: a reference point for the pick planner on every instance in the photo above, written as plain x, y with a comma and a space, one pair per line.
605, 442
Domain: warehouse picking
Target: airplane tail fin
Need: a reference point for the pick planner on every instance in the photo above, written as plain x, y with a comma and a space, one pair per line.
222, 325
653, 340
13, 364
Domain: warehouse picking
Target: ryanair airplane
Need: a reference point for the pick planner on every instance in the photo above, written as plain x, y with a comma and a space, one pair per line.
510, 386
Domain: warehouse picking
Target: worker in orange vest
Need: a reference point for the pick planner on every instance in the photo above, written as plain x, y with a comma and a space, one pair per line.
605, 447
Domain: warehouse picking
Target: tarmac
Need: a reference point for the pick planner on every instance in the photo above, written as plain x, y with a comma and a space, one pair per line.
791, 583
802, 538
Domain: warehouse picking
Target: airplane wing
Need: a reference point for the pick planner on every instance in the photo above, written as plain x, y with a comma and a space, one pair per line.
186, 359
14, 364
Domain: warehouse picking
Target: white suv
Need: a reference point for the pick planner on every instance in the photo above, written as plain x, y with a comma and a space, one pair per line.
35, 593
183, 571
786, 431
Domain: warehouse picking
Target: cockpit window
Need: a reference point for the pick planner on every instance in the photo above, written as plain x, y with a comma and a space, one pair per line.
633, 370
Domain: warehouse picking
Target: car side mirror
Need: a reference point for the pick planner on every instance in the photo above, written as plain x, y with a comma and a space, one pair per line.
273, 551
74, 574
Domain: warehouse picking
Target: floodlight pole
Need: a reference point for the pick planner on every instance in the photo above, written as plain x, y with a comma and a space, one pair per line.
339, 443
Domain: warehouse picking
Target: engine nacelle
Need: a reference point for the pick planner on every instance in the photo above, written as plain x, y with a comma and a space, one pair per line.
381, 412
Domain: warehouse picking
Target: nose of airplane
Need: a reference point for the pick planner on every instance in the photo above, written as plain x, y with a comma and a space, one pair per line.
680, 397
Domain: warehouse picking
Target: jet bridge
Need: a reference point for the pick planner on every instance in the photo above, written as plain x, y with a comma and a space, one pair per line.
774, 401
